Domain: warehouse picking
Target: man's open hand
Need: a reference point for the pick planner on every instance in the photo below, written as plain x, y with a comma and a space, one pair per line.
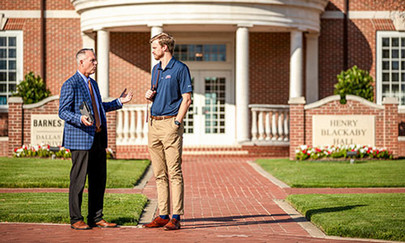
126, 97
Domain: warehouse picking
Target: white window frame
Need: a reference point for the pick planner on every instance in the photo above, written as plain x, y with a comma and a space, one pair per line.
380, 36
20, 55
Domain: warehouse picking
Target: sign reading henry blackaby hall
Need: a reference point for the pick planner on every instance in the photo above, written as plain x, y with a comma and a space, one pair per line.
330, 130
46, 129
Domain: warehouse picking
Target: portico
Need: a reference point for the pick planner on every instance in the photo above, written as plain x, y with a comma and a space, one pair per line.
235, 21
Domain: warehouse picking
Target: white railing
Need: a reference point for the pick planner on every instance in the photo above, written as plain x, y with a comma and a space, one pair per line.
270, 122
131, 126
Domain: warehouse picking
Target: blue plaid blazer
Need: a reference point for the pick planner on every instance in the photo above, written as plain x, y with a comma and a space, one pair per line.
77, 136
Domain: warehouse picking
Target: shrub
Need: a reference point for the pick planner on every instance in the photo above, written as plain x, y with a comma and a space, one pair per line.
354, 81
32, 89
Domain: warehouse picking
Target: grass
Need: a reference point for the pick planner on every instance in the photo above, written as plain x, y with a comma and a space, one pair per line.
373, 173
34, 172
123, 209
378, 216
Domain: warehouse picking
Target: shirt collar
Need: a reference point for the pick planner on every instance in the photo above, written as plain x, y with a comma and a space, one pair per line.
169, 65
84, 77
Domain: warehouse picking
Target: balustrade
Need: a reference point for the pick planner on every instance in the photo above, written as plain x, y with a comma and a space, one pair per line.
131, 126
270, 122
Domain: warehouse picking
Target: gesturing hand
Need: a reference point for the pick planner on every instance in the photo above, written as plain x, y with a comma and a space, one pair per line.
125, 98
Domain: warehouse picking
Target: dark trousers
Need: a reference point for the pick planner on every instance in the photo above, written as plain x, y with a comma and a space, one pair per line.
92, 163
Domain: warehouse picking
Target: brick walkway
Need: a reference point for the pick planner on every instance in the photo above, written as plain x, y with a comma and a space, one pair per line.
225, 200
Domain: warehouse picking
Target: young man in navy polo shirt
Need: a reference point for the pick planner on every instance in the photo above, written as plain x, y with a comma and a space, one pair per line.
171, 95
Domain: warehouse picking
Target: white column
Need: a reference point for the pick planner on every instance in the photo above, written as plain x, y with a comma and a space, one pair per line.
154, 30
296, 58
88, 40
312, 85
242, 83
103, 49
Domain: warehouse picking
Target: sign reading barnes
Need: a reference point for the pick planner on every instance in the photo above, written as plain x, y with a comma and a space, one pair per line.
46, 129
343, 130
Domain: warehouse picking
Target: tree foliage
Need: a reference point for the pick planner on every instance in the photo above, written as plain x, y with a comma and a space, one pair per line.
32, 89
354, 81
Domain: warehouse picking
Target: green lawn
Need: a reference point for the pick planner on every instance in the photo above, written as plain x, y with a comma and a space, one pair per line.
373, 173
34, 172
378, 216
123, 209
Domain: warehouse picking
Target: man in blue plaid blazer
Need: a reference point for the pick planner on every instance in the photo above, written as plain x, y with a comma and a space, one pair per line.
87, 140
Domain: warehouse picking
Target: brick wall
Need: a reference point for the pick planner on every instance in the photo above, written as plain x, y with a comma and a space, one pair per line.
3, 124
36, 5
130, 64
20, 134
63, 40
330, 55
269, 55
15, 124
386, 125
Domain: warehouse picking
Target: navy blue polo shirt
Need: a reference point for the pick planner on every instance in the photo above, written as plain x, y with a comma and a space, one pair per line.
174, 81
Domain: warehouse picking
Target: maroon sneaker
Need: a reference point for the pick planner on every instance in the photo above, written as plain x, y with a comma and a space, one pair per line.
174, 224
157, 222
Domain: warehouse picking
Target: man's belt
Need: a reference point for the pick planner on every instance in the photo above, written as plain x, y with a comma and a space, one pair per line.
161, 117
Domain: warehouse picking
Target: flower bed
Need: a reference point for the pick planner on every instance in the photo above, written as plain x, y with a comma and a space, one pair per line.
305, 152
45, 150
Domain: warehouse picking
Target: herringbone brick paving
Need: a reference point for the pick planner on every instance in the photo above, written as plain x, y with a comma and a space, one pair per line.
226, 200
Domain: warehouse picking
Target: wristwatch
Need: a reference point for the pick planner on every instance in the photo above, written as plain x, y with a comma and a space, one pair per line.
177, 123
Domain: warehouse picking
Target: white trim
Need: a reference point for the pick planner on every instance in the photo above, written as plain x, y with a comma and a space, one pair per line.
359, 14
72, 14
41, 103
303, 15
401, 138
3, 139
21, 13
369, 15
36, 14
19, 34
59, 14
378, 85
332, 15
348, 97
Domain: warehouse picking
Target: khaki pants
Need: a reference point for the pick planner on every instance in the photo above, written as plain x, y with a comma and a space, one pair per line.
165, 142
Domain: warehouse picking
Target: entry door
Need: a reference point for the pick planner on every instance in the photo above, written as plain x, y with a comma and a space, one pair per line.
211, 118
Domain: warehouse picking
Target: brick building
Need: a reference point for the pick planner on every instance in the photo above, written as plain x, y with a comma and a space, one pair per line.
247, 60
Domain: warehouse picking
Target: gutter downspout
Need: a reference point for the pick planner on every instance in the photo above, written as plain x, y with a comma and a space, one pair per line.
43, 42
345, 35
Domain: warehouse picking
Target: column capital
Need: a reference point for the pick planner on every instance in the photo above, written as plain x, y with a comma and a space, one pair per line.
312, 35
101, 29
244, 25
159, 25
